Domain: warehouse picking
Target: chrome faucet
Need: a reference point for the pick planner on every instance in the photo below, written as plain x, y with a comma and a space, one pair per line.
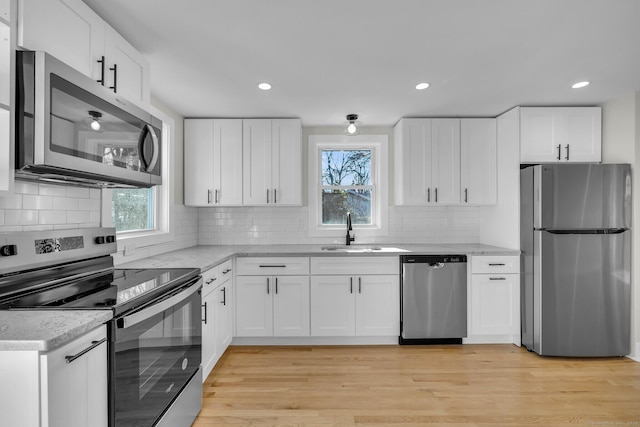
349, 228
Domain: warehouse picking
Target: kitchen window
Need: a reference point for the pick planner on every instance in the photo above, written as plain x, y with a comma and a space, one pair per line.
141, 215
348, 174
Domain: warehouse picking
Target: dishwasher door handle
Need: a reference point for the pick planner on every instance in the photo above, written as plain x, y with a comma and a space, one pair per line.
436, 264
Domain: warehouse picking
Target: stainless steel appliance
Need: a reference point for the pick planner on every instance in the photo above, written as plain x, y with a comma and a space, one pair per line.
71, 129
576, 259
434, 299
154, 340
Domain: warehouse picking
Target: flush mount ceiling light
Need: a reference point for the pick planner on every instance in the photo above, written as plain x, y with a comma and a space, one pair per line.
95, 124
264, 86
579, 85
352, 125
422, 86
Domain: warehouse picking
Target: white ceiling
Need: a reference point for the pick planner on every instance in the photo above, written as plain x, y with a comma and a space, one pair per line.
329, 58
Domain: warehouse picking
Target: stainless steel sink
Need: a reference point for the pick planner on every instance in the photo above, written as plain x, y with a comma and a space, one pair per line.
363, 249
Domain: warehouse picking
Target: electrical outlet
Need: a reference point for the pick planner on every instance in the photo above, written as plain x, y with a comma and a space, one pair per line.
129, 249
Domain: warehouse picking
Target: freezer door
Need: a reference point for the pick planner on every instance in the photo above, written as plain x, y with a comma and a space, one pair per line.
583, 196
585, 291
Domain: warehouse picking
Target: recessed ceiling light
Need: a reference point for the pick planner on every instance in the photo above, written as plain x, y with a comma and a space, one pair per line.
579, 85
422, 86
264, 86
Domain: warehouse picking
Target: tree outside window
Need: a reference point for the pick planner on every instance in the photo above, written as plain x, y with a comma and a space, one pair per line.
346, 186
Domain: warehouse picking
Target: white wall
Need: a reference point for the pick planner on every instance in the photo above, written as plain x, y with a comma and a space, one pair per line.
621, 144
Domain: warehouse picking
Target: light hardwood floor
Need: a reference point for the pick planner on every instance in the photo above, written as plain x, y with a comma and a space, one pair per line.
471, 385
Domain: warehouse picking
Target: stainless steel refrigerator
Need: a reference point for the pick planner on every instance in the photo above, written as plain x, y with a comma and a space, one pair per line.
575, 239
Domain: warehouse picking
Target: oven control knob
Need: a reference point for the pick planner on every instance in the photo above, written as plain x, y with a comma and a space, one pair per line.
9, 250
111, 239
99, 240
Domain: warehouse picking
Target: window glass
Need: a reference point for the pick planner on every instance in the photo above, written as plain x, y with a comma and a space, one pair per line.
346, 186
133, 209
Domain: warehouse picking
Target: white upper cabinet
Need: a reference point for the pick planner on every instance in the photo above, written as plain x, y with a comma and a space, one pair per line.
560, 134
213, 162
72, 32
272, 170
427, 162
478, 161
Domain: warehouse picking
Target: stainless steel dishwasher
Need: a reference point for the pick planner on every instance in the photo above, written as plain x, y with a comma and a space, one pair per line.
434, 299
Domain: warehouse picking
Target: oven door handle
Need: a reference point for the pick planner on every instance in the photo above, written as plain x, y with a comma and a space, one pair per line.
159, 307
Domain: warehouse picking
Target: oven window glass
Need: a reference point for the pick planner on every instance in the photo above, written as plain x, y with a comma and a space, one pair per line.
154, 360
87, 127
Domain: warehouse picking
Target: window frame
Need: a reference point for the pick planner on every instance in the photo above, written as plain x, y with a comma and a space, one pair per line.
378, 144
163, 231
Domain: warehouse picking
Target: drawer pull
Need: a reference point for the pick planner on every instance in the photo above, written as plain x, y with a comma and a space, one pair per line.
497, 278
205, 312
272, 266
226, 271
93, 345
210, 281
497, 264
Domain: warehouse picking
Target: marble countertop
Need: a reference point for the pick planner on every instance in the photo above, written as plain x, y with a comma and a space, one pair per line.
205, 257
45, 330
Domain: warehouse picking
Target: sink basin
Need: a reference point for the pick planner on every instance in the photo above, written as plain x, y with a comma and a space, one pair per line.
360, 249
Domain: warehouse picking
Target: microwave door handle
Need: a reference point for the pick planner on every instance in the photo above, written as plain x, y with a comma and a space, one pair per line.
157, 308
154, 138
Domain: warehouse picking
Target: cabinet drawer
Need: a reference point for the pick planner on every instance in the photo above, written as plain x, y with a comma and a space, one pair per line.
210, 279
225, 270
495, 264
268, 266
355, 265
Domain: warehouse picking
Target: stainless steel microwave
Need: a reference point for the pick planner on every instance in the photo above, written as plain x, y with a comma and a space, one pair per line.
70, 129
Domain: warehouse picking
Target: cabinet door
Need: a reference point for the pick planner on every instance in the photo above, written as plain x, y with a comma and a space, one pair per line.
76, 391
227, 162
66, 29
539, 135
126, 70
198, 167
478, 161
286, 162
209, 325
584, 134
333, 306
224, 317
291, 306
378, 305
495, 304
256, 164
445, 162
254, 309
412, 149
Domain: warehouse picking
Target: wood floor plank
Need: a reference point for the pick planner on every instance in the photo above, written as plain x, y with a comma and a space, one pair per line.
471, 385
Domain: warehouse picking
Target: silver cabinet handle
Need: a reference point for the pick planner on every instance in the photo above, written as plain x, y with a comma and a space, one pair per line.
224, 295
209, 196
267, 286
276, 285
115, 78
359, 285
267, 196
272, 266
210, 281
567, 147
216, 196
275, 195
466, 195
205, 312
226, 271
350, 285
101, 62
496, 264
428, 195
497, 278
436, 195
558, 152
93, 345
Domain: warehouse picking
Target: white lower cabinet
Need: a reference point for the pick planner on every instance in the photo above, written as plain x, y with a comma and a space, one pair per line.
366, 305
363, 303
217, 314
494, 300
63, 387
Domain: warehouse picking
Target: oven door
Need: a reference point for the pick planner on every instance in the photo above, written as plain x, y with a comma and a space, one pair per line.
155, 352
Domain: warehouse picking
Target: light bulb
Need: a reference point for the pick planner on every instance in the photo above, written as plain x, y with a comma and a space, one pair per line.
95, 124
351, 128
579, 85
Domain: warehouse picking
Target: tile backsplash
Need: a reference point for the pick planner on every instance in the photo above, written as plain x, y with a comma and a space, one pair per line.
35, 206
283, 225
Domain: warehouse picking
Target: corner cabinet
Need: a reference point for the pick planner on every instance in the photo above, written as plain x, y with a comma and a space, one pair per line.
441, 162
66, 386
217, 314
355, 296
88, 44
272, 163
272, 297
560, 134
494, 300
213, 162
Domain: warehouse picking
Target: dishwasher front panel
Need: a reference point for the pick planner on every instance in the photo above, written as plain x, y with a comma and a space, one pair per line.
434, 298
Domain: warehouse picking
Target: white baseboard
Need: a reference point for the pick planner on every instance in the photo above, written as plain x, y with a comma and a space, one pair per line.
315, 340
636, 354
